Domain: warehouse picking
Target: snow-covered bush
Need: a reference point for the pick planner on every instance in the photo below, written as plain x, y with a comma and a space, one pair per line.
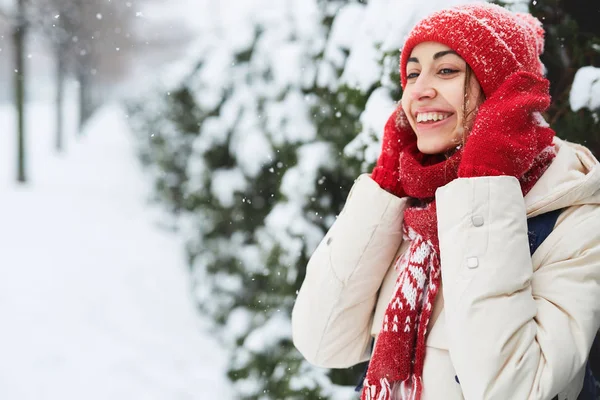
250, 148
243, 166
585, 91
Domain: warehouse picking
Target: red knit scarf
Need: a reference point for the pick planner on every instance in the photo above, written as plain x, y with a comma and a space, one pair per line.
397, 361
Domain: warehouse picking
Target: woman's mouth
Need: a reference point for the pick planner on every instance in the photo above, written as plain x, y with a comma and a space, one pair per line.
432, 120
431, 117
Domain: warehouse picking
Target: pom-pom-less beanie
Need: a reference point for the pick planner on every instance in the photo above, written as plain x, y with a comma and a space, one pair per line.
492, 40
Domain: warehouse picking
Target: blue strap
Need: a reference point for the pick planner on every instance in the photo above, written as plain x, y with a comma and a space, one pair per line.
363, 376
539, 227
589, 390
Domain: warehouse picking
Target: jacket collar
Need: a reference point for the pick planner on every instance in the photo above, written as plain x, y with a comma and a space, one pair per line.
573, 178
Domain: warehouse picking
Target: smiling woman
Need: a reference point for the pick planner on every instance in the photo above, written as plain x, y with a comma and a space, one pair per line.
439, 95
431, 256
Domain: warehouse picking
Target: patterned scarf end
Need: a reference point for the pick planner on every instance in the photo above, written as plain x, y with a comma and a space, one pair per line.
383, 391
410, 389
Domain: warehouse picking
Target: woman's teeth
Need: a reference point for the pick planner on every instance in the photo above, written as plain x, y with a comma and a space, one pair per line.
432, 116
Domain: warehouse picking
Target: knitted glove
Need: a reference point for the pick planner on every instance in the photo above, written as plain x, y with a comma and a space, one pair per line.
507, 137
387, 170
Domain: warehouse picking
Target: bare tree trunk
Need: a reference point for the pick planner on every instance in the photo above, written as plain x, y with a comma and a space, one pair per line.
84, 98
60, 91
19, 44
83, 70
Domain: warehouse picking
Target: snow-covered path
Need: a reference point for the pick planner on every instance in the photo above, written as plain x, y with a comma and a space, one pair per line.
94, 298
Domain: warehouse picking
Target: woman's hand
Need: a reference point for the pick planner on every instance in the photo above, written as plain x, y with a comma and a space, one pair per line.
508, 132
387, 170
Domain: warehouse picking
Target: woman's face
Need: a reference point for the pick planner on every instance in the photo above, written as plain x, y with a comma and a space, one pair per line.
434, 97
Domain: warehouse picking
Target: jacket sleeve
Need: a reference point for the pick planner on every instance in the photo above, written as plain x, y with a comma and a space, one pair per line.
514, 333
332, 316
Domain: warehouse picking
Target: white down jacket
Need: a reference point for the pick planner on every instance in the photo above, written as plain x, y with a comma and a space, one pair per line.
510, 325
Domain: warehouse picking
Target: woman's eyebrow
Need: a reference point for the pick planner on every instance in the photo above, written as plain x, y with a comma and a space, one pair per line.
444, 53
437, 55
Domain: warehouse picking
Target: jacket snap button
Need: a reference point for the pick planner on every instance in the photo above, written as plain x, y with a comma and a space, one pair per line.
472, 262
477, 220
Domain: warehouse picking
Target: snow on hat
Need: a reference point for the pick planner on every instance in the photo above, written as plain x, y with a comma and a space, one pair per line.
492, 40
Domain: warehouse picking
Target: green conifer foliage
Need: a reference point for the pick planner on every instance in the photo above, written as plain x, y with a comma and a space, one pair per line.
218, 152
165, 133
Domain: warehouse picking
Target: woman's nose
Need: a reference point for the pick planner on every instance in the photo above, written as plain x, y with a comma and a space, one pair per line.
423, 88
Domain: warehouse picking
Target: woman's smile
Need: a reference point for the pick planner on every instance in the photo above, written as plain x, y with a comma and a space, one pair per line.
431, 121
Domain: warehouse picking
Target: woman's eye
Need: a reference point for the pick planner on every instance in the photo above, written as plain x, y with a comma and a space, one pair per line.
448, 71
412, 75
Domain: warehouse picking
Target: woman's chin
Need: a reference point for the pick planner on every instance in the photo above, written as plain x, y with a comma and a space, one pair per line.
429, 146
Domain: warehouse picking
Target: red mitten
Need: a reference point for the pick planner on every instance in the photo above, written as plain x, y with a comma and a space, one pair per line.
387, 170
506, 137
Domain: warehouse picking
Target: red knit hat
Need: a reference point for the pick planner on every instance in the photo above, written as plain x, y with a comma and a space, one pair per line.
492, 40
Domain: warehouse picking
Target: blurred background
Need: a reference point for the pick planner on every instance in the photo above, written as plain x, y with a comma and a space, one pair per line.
168, 167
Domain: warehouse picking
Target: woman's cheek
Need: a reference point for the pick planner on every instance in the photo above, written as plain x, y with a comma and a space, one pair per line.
406, 107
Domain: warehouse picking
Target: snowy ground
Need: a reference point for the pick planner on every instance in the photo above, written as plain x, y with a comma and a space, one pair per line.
94, 298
